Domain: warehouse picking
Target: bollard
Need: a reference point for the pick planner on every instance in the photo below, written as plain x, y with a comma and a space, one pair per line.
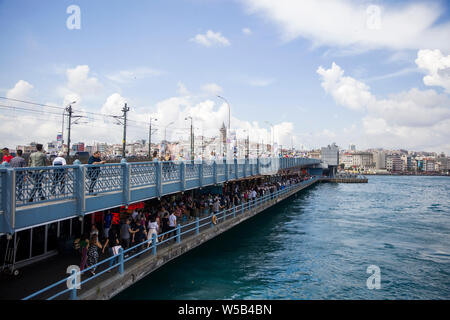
73, 293
178, 234
121, 261
154, 243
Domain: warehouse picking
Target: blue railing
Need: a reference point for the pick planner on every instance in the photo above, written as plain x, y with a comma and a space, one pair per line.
191, 228
80, 189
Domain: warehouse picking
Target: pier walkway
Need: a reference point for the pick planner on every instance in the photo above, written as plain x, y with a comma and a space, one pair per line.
130, 266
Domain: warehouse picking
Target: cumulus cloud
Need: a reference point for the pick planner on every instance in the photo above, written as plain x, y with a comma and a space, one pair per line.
346, 91
412, 118
80, 82
437, 67
348, 24
210, 39
20, 91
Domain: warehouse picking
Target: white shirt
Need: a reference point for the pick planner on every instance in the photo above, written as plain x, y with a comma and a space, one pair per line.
153, 225
172, 220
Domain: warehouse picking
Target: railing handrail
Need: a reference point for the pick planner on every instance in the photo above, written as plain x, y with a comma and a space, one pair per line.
251, 204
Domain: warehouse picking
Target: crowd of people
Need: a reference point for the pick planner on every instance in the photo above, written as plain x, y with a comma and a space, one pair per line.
158, 219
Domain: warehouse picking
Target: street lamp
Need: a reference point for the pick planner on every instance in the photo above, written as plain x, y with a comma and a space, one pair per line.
165, 130
192, 138
150, 138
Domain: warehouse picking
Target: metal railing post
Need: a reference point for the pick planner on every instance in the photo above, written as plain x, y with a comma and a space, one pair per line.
10, 205
73, 292
197, 225
234, 211
200, 174
183, 176
121, 266
178, 233
158, 171
80, 191
154, 244
126, 173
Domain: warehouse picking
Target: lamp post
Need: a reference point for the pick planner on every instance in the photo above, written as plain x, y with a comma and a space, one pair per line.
150, 138
192, 138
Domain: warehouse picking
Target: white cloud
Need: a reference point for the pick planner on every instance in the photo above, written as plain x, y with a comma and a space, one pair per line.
412, 119
437, 67
351, 24
114, 104
210, 39
247, 31
20, 91
212, 88
80, 82
126, 76
345, 90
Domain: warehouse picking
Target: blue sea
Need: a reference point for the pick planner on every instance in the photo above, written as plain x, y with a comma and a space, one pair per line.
319, 243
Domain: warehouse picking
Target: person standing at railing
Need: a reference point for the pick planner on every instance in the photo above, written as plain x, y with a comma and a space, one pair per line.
94, 172
58, 174
37, 159
19, 162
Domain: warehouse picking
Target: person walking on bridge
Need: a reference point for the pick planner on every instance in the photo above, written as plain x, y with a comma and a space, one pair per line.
59, 174
37, 159
19, 162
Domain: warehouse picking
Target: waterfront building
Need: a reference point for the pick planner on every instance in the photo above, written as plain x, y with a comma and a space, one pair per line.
363, 160
429, 165
407, 162
346, 159
394, 163
379, 157
330, 157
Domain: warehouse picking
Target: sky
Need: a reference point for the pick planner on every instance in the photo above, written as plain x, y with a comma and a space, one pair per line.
371, 73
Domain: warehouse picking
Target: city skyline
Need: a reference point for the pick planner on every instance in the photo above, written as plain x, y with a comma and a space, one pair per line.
368, 82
